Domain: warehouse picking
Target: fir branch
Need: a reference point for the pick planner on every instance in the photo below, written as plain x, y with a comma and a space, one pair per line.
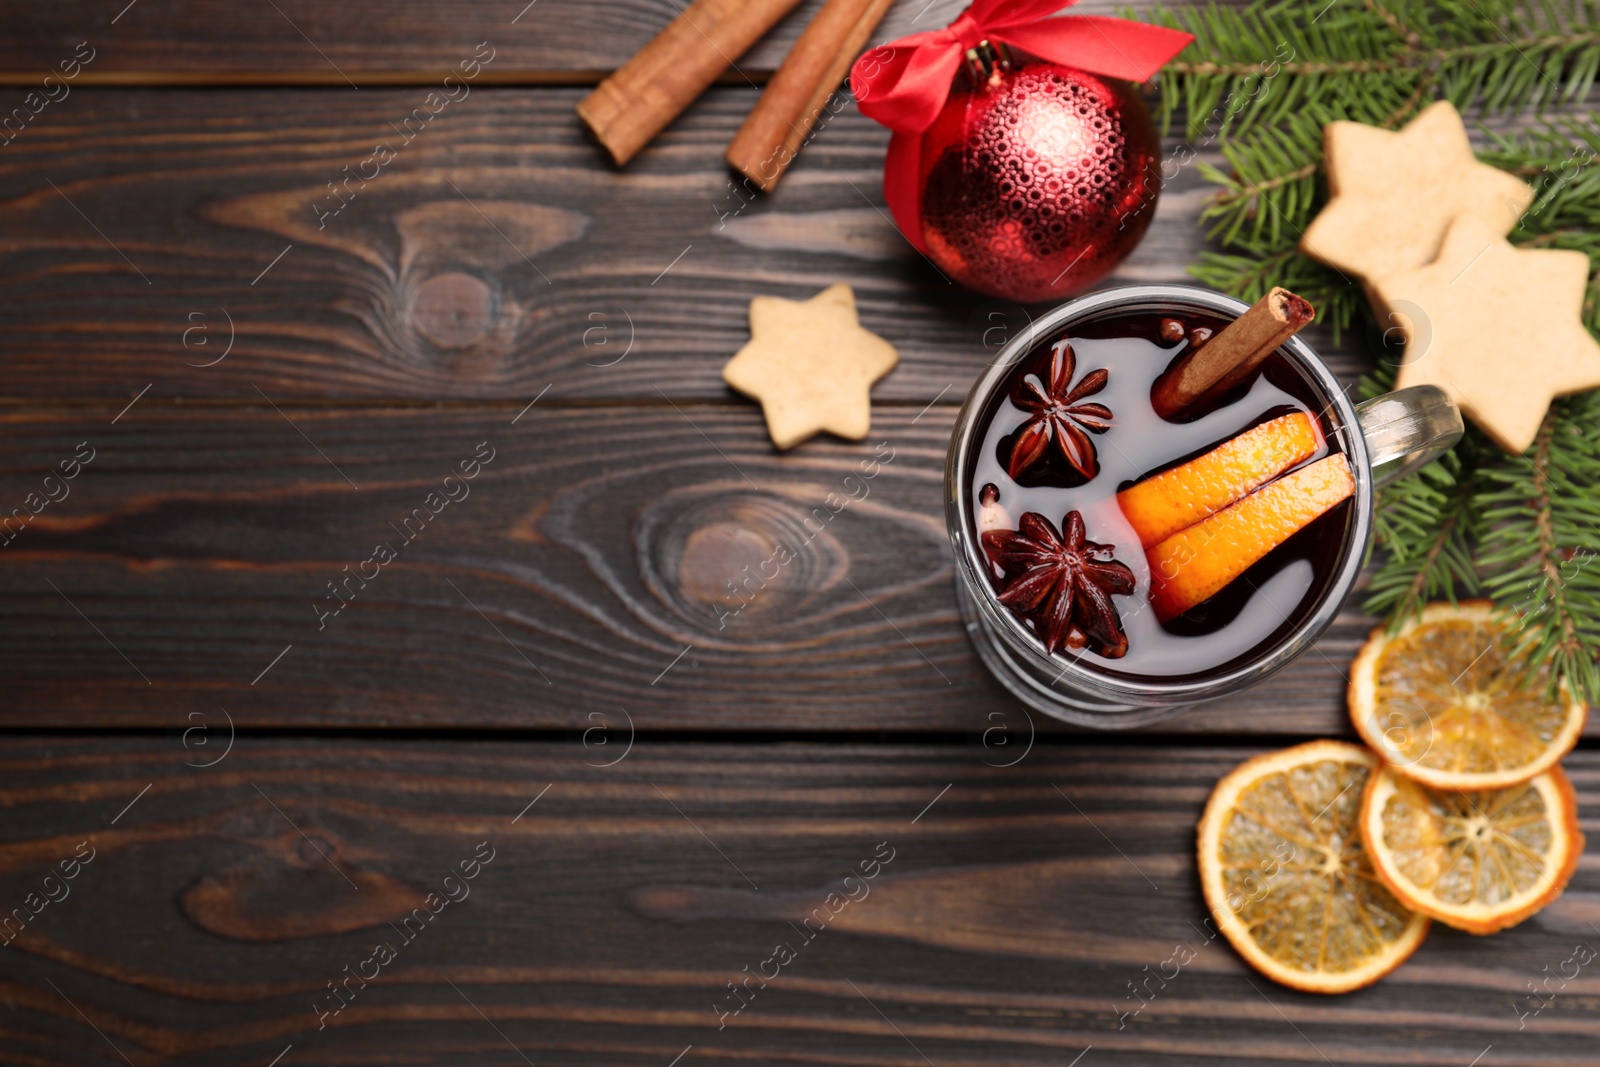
1562, 160
1288, 158
1424, 526
1249, 276
1261, 84
1542, 522
1262, 64
1412, 38
1500, 55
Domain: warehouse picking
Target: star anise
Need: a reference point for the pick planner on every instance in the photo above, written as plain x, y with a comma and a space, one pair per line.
1059, 414
1064, 583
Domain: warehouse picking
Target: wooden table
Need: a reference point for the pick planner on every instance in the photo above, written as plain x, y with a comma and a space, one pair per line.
546, 690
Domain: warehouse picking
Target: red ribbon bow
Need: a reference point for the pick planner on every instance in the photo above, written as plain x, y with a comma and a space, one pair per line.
904, 84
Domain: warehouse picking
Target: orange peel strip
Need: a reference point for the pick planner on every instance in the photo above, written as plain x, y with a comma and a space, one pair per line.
1195, 564
1174, 500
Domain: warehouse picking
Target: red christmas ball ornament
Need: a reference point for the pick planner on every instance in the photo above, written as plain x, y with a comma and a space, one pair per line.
1036, 179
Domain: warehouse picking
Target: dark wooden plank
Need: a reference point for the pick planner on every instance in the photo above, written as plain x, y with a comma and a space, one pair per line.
367, 41
1017, 910
599, 545
494, 256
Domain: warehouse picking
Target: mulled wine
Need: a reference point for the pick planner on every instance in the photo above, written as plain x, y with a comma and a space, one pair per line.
1148, 528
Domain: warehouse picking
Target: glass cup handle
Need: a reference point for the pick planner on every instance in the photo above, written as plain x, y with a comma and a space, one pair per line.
1408, 428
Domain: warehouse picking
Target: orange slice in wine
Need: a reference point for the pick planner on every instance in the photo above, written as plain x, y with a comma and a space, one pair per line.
1195, 564
1174, 500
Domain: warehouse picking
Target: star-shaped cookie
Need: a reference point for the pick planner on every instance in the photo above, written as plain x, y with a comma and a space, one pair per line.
811, 366
1498, 328
1393, 195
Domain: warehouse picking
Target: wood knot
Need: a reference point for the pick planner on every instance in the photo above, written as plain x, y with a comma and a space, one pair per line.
711, 554
311, 850
452, 310
296, 886
740, 564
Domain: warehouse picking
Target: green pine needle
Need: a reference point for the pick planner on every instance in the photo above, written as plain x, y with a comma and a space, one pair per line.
1257, 88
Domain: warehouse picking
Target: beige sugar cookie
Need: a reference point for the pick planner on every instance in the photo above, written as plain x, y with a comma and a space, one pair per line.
1393, 195
811, 366
1498, 328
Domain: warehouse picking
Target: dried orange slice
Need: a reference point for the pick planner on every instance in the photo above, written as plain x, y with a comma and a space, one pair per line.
1477, 861
1287, 878
1448, 701
1174, 500
1195, 564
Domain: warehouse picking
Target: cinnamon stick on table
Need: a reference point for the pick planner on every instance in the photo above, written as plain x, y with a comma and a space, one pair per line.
641, 97
782, 120
1229, 358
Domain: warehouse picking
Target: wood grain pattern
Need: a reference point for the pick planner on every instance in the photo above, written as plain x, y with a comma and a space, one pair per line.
1017, 912
140, 230
367, 41
599, 561
301, 382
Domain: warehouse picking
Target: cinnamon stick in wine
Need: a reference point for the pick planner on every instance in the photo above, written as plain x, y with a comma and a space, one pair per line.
1229, 358
641, 97
783, 118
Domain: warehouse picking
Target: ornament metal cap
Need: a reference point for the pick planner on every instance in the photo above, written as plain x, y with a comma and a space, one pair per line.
986, 60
